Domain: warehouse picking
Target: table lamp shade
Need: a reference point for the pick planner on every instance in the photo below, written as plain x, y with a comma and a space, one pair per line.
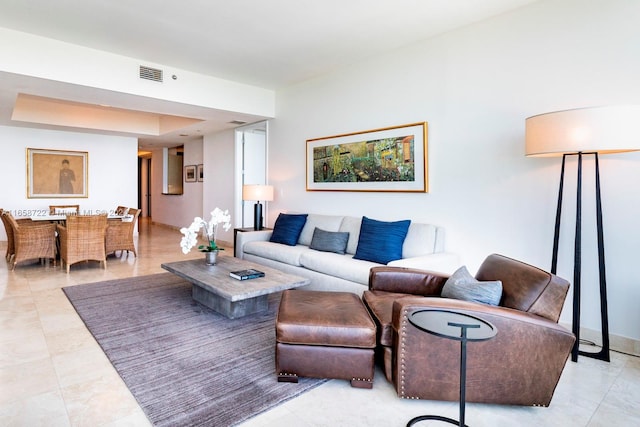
612, 129
257, 192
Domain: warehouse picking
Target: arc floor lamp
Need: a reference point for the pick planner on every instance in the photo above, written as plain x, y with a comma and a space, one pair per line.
581, 132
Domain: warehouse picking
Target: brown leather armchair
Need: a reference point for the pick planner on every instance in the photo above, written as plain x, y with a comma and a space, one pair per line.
521, 365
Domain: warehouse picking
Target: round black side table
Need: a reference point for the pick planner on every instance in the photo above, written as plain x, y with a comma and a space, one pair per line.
455, 326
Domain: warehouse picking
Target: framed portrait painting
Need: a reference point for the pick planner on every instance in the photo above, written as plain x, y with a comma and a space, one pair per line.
387, 159
57, 173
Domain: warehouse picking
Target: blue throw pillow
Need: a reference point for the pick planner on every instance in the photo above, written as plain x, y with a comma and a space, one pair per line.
287, 228
380, 241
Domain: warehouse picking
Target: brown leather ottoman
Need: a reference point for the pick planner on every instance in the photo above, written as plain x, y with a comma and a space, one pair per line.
324, 335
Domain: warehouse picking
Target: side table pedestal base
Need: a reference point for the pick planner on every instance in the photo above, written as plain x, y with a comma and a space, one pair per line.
434, 417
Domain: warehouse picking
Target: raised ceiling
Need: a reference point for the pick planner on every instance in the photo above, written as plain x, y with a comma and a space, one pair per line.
270, 44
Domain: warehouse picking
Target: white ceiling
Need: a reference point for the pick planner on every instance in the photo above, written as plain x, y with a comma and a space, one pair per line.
266, 43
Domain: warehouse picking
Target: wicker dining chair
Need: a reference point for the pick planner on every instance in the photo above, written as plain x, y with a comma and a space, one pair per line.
120, 233
64, 209
11, 248
82, 239
10, 245
29, 241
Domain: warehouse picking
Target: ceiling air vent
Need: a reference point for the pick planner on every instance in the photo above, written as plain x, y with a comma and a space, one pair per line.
149, 73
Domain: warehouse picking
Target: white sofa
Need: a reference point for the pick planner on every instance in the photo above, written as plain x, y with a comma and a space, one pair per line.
423, 248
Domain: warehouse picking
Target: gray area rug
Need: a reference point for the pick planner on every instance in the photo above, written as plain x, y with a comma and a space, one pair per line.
186, 365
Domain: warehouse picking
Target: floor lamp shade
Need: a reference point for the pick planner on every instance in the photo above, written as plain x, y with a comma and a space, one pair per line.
257, 193
603, 130
584, 131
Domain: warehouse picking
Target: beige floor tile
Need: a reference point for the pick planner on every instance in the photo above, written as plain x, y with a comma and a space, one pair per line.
52, 301
69, 341
28, 348
66, 319
33, 269
98, 401
45, 410
16, 304
88, 273
82, 366
279, 417
624, 394
12, 286
48, 283
25, 380
135, 419
611, 416
19, 325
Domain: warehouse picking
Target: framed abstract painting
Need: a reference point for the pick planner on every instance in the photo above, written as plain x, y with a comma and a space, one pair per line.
387, 159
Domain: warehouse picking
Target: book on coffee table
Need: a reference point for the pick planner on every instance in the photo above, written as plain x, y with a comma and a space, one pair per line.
246, 274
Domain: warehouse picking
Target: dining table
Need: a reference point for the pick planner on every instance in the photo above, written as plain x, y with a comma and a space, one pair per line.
60, 219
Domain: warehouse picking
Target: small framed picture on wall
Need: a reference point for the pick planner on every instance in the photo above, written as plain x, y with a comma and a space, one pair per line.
190, 173
200, 173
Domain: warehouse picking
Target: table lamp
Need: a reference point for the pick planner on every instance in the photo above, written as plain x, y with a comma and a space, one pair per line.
579, 132
257, 192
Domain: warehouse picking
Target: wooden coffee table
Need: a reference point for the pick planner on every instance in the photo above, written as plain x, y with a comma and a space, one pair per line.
213, 287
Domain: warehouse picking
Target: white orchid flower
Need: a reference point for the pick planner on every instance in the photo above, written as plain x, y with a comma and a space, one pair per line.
190, 239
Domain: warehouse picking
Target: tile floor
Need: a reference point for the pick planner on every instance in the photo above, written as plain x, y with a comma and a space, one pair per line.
52, 372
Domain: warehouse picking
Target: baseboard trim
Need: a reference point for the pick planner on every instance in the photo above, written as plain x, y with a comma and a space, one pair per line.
221, 243
159, 224
616, 342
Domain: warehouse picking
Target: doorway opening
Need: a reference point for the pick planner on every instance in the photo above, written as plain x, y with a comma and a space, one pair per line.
144, 185
251, 167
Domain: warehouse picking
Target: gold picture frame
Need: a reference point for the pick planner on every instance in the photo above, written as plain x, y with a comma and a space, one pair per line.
57, 174
391, 159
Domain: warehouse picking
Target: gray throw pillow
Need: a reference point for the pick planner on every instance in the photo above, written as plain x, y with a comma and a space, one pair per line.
329, 241
462, 285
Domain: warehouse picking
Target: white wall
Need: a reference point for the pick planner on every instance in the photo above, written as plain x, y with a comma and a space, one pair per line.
176, 210
112, 168
475, 87
219, 186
